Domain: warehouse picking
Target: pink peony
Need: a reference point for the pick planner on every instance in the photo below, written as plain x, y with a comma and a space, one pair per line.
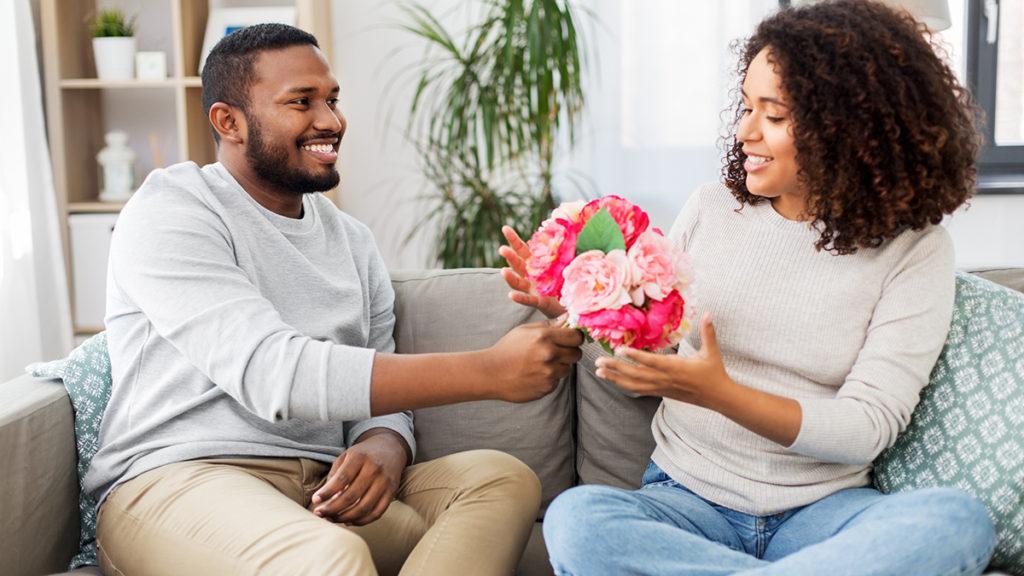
663, 323
596, 281
659, 326
614, 327
658, 267
552, 248
630, 218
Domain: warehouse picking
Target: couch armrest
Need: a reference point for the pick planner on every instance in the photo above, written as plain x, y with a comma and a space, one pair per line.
38, 477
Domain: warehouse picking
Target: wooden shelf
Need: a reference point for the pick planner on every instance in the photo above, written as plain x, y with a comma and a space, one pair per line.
77, 101
97, 84
94, 207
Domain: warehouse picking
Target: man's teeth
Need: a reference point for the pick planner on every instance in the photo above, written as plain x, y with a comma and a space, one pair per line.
324, 148
758, 159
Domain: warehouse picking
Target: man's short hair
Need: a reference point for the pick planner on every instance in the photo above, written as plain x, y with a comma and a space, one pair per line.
229, 69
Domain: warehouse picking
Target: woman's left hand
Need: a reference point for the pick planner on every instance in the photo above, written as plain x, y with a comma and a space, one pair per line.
699, 379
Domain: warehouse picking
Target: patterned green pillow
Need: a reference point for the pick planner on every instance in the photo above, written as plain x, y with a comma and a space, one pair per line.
86, 376
968, 430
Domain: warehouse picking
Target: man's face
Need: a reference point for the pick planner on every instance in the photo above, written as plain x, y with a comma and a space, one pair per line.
294, 125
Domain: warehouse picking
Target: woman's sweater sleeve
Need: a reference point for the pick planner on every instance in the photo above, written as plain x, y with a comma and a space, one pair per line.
905, 336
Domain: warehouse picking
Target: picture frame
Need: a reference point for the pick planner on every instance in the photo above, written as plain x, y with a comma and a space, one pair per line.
224, 21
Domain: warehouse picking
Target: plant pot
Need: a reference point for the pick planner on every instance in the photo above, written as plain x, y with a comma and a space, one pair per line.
115, 57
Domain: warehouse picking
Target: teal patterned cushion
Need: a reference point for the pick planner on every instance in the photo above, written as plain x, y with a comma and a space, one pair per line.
968, 430
86, 376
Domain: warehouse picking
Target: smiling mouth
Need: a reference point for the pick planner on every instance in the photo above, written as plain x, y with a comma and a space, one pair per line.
322, 148
753, 163
324, 151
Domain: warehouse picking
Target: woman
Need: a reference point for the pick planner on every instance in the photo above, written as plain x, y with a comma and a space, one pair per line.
831, 288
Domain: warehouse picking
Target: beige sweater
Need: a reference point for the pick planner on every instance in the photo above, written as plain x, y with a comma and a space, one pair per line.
851, 338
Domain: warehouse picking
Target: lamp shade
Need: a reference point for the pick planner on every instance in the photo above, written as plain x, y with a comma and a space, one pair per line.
932, 13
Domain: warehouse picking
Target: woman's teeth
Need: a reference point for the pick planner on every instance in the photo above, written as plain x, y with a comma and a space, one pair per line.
758, 160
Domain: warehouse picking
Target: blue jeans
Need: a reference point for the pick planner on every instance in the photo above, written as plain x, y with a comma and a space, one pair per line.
663, 528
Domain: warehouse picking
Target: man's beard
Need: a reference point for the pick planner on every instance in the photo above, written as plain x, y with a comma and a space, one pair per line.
271, 163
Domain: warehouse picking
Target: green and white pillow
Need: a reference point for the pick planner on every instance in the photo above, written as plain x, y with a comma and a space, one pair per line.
968, 430
86, 376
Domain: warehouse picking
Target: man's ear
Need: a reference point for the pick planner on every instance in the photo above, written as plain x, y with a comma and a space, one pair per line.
228, 122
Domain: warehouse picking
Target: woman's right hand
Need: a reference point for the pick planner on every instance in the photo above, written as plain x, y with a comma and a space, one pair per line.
523, 291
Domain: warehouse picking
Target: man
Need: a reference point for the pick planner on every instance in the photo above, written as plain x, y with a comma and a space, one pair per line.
256, 423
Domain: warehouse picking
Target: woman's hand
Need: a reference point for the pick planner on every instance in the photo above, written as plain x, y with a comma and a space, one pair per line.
523, 292
699, 379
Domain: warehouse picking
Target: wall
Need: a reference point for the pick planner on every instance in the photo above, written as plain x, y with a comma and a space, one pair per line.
380, 184
989, 233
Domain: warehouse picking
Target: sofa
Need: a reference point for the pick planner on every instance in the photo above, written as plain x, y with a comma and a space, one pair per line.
587, 431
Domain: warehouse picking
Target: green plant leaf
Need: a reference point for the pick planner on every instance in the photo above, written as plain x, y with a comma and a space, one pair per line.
492, 104
112, 22
600, 233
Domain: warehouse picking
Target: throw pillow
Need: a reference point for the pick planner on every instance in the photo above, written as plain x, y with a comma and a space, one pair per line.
86, 376
968, 430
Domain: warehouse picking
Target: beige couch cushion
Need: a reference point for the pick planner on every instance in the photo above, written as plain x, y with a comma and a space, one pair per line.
458, 310
1009, 277
614, 441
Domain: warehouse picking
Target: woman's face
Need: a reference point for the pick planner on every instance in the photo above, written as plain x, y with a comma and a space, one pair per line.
766, 132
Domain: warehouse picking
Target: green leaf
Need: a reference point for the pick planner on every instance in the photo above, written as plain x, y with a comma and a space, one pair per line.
600, 233
493, 100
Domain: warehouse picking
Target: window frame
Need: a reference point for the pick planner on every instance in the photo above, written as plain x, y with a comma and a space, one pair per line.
1000, 167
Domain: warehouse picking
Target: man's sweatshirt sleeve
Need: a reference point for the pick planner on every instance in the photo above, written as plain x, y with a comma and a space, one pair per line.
382, 328
175, 262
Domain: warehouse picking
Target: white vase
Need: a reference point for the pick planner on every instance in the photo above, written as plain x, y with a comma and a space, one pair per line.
117, 161
115, 57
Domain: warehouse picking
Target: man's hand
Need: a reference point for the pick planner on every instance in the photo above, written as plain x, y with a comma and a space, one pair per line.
364, 479
528, 362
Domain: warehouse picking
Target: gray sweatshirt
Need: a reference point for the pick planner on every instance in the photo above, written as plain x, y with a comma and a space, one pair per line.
235, 331
852, 338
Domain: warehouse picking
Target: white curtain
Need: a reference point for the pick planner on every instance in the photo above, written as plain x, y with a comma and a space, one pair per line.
662, 76
35, 322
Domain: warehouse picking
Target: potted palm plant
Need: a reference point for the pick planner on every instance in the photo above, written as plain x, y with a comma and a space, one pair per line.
490, 113
113, 45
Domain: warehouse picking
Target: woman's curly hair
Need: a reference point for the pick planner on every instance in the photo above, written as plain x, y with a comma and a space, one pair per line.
885, 134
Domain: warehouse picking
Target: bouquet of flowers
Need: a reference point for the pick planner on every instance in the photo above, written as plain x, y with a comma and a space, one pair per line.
621, 281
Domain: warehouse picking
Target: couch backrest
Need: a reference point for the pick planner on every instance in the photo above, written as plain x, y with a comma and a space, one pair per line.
1009, 277
613, 432
468, 309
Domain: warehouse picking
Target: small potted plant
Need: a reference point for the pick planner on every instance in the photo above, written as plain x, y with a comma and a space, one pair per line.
113, 45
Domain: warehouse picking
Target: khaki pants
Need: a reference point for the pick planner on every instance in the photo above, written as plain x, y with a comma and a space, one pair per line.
468, 513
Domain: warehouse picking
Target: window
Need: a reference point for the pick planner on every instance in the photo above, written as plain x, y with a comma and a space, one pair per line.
995, 73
